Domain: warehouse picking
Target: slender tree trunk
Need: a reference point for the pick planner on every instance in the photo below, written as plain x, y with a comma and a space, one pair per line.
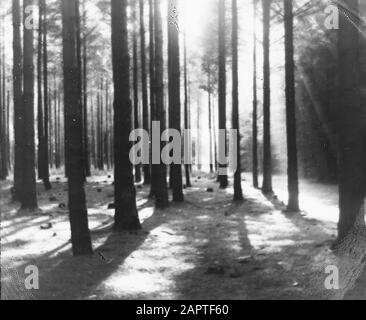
80, 235
292, 171
46, 173
145, 104
351, 122
135, 84
29, 193
255, 101
223, 178
186, 110
238, 193
18, 102
161, 192
152, 88
210, 121
85, 94
174, 94
40, 118
267, 158
3, 153
126, 217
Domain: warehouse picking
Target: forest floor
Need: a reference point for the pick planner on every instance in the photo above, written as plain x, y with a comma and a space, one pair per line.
205, 248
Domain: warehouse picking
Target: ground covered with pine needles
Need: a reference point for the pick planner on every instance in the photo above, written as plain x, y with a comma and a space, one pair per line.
205, 248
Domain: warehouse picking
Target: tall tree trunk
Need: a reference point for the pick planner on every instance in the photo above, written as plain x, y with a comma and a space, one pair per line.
18, 102
46, 173
135, 83
161, 192
3, 153
209, 93
267, 158
255, 102
40, 117
351, 121
85, 94
80, 235
29, 193
238, 193
292, 171
186, 107
126, 216
174, 93
145, 104
223, 178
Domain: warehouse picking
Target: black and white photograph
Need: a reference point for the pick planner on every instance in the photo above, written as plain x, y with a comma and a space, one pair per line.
205, 152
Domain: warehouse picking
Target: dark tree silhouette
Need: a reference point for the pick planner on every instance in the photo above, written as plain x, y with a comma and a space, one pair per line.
29, 192
80, 235
223, 179
255, 102
186, 107
135, 77
174, 94
18, 109
126, 216
238, 193
46, 104
267, 158
351, 121
145, 103
292, 171
161, 190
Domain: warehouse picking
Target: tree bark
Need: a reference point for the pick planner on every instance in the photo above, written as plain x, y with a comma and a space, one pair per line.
161, 192
223, 178
174, 94
351, 122
238, 193
267, 158
255, 102
80, 235
145, 104
186, 108
126, 216
292, 169
29, 193
135, 84
46, 173
18, 102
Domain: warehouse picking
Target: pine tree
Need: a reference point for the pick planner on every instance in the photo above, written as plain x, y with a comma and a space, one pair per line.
80, 235
29, 193
292, 171
267, 158
238, 193
174, 93
126, 216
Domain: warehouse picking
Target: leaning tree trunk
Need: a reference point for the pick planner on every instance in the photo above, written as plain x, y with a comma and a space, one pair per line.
145, 104
161, 191
223, 178
292, 171
80, 235
29, 192
126, 216
255, 103
174, 94
45, 171
267, 161
238, 193
351, 121
18, 110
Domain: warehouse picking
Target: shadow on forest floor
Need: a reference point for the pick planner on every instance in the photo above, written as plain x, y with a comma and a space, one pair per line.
205, 248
